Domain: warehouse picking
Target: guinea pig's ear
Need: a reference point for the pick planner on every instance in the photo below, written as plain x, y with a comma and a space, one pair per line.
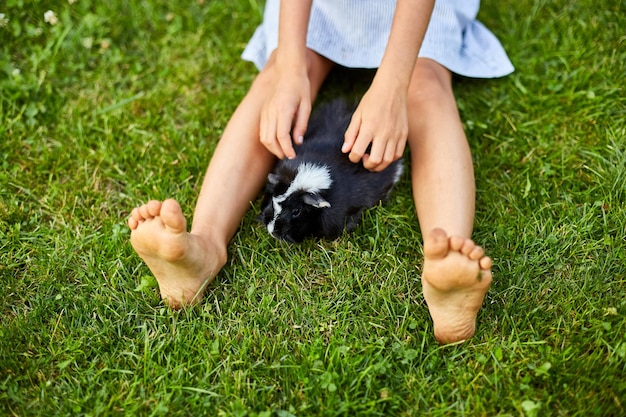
273, 178
315, 200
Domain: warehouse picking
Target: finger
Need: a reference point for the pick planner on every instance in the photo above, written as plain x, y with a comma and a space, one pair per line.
359, 147
301, 123
389, 156
358, 150
283, 136
374, 158
399, 149
286, 146
351, 134
268, 136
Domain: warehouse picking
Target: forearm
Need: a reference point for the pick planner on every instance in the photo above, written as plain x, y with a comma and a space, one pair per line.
409, 26
292, 30
285, 113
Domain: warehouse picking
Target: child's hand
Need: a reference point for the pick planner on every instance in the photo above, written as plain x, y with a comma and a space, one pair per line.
286, 111
379, 120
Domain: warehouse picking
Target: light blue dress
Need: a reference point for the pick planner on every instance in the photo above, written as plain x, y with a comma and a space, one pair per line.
354, 33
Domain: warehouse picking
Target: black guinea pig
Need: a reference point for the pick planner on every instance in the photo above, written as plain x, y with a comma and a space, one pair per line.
320, 193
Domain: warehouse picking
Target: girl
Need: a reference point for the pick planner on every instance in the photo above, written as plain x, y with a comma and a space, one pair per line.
415, 45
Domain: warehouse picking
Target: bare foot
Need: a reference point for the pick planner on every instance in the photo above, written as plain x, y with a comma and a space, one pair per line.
182, 263
456, 277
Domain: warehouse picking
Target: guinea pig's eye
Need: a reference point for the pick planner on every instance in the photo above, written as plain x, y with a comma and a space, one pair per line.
296, 213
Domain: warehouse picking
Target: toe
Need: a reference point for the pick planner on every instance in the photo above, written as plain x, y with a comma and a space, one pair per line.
476, 253
485, 263
172, 216
154, 208
468, 247
456, 243
132, 223
144, 213
436, 244
485, 278
136, 215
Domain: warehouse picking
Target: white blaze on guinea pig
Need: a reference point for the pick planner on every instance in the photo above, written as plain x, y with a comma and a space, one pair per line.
311, 178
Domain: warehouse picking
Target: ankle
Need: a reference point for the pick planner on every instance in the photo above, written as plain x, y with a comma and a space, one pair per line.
212, 243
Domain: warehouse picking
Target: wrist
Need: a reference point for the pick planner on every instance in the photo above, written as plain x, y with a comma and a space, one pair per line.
392, 80
290, 56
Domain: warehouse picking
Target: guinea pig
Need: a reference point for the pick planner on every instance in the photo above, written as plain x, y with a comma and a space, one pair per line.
320, 193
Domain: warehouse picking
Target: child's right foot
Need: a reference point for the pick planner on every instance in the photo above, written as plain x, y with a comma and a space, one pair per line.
182, 263
456, 277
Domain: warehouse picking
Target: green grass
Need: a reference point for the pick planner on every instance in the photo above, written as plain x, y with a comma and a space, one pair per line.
124, 101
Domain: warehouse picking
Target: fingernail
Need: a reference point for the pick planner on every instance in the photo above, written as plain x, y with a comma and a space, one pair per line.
300, 140
344, 148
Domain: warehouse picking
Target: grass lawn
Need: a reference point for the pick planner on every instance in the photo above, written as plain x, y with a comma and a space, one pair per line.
120, 102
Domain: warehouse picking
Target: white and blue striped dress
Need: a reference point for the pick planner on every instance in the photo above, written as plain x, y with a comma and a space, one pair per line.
354, 33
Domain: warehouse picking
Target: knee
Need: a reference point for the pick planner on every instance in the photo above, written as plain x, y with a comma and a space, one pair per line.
430, 87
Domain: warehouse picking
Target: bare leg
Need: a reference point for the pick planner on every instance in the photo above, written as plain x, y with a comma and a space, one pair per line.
456, 274
184, 263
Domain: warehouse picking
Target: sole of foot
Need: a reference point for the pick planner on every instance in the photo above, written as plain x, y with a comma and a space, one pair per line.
455, 279
182, 263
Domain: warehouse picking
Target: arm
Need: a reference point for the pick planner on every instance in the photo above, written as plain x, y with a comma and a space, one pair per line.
290, 104
381, 117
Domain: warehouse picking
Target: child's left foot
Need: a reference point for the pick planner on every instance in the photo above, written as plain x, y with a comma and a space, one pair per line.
182, 263
456, 277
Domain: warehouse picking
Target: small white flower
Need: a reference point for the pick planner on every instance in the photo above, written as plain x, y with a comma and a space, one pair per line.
50, 17
16, 72
88, 42
3, 20
71, 1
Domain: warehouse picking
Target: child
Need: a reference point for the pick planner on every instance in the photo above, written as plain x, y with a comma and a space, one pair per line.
410, 99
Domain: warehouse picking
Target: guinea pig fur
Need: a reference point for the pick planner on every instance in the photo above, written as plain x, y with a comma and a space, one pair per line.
320, 193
